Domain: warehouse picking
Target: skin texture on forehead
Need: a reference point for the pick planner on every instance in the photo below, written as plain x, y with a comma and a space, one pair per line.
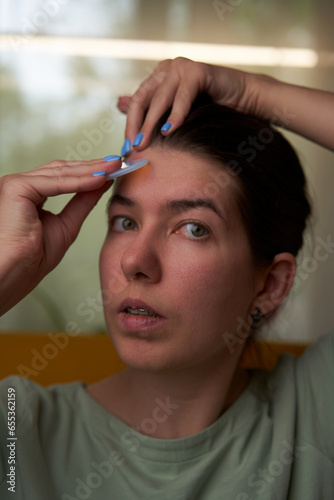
212, 184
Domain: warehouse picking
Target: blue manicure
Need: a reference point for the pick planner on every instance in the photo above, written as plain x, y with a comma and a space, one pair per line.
138, 139
166, 127
112, 158
97, 174
126, 147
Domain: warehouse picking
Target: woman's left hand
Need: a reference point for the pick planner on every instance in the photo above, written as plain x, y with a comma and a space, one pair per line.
33, 240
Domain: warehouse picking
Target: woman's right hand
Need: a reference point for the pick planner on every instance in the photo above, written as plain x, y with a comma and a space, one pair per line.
33, 240
176, 83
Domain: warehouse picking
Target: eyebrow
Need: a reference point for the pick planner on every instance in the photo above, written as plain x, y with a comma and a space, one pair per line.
186, 204
121, 200
180, 205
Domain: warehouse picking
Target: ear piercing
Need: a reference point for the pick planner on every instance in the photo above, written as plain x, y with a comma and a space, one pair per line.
257, 318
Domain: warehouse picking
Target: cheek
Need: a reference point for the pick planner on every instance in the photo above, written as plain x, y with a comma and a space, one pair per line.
111, 277
212, 290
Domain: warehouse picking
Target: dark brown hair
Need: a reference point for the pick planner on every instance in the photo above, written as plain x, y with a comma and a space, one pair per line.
271, 186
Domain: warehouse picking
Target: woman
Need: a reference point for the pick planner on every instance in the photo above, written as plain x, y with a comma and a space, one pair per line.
197, 255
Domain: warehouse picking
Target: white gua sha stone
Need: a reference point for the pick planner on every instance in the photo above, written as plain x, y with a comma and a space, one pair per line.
127, 167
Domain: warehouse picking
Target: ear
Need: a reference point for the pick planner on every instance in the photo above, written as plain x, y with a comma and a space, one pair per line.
276, 283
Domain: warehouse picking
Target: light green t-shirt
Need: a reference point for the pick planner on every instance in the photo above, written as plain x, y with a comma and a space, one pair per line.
275, 442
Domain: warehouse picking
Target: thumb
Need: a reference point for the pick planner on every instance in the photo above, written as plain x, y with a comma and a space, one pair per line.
76, 211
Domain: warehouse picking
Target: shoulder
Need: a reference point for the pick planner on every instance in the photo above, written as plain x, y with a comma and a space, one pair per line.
32, 399
320, 354
314, 379
27, 388
14, 388
312, 373
302, 391
316, 362
37, 412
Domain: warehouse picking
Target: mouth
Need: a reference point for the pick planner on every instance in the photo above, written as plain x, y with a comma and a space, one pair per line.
136, 307
140, 312
135, 315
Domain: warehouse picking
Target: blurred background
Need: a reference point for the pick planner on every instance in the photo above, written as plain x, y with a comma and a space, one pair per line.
63, 64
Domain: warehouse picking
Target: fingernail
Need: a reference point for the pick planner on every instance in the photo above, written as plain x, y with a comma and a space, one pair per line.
138, 139
112, 158
166, 127
126, 147
97, 174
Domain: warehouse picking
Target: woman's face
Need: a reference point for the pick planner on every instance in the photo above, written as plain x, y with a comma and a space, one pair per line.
176, 267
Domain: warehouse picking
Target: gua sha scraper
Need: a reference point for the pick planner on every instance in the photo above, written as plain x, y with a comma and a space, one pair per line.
127, 167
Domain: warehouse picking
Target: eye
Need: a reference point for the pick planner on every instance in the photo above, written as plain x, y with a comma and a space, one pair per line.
123, 224
194, 230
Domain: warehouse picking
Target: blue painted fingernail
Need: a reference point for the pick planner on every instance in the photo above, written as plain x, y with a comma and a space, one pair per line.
97, 174
126, 147
166, 127
112, 158
138, 139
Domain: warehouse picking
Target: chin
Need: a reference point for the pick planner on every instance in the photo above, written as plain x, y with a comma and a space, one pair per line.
140, 352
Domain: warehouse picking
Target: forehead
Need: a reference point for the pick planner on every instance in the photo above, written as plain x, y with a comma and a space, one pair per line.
174, 174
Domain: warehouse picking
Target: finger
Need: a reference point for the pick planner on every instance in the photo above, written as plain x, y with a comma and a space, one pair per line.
40, 187
123, 103
140, 101
187, 79
60, 231
160, 102
137, 108
61, 167
76, 211
184, 98
59, 163
195, 79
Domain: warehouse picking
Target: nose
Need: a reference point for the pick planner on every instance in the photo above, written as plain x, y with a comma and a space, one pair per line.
141, 259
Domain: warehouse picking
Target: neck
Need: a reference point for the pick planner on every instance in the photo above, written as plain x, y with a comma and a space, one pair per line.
171, 405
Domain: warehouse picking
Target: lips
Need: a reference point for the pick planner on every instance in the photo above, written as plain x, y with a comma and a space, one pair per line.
137, 308
135, 317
